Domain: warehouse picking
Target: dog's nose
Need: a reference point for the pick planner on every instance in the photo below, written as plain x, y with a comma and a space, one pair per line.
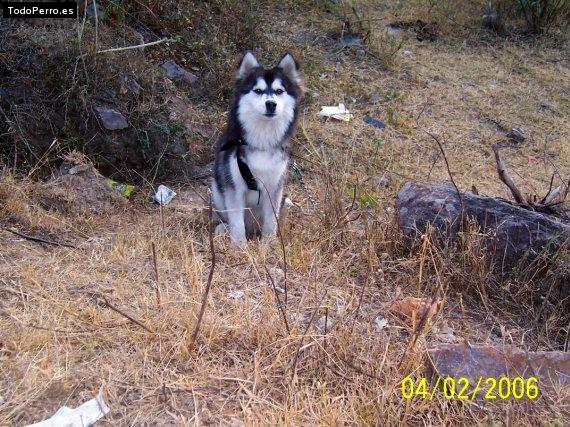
270, 106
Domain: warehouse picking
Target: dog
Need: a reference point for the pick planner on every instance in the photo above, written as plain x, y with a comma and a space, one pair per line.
252, 155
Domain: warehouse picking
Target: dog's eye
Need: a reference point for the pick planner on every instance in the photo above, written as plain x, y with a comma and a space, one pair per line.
258, 91
279, 91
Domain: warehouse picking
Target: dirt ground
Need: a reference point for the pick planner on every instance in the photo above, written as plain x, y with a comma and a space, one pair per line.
65, 313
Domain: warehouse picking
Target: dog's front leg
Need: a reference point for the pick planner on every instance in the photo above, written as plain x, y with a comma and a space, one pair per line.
235, 210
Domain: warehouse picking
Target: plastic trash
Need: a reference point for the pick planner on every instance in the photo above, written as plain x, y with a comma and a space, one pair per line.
338, 113
377, 123
82, 416
164, 195
125, 189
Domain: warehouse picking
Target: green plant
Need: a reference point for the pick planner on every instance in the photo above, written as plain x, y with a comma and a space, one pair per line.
541, 15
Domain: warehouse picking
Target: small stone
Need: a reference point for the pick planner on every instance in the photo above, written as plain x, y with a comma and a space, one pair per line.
517, 135
90, 12
173, 71
407, 53
111, 118
377, 123
385, 181
325, 323
545, 103
147, 35
380, 323
393, 31
351, 40
235, 294
129, 84
374, 98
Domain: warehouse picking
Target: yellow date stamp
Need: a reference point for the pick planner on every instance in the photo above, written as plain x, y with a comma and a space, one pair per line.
463, 388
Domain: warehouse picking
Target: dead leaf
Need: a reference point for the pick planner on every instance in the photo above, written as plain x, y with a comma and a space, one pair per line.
414, 309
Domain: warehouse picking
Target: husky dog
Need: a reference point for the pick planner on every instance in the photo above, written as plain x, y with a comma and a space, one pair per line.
252, 155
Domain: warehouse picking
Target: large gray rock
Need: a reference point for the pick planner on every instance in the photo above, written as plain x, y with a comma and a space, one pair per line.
175, 71
111, 119
514, 234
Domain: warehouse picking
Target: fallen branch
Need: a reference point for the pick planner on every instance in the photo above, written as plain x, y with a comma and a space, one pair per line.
118, 49
506, 178
39, 240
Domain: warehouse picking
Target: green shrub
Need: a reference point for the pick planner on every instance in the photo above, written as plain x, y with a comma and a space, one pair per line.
541, 15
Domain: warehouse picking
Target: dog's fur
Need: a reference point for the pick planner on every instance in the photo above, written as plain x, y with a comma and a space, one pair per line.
261, 120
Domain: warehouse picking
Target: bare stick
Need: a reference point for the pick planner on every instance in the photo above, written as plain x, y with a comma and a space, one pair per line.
280, 240
37, 239
281, 309
156, 273
506, 178
138, 46
549, 189
209, 282
444, 158
96, 25
296, 359
122, 313
552, 196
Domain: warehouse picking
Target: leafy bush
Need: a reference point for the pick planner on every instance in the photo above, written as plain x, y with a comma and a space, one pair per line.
540, 15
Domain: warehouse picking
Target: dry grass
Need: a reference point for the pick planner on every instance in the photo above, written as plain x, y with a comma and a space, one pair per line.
344, 260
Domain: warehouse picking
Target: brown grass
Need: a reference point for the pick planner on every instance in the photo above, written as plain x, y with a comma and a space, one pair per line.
345, 261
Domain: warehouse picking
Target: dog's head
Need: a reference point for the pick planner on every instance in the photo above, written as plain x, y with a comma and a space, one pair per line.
268, 94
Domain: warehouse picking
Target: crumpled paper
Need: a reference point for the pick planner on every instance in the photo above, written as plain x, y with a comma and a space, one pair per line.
164, 195
83, 416
336, 112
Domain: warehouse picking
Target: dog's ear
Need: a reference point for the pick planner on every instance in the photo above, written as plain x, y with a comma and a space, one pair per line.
247, 64
290, 67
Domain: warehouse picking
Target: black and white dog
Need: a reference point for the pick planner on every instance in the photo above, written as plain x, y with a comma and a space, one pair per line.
253, 153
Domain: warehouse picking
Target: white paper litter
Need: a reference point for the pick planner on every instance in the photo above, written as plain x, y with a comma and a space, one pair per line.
83, 416
338, 113
164, 195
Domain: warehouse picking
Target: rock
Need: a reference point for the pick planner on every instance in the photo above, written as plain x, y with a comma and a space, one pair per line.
545, 103
350, 40
514, 234
380, 323
384, 181
236, 294
393, 31
111, 119
463, 360
325, 323
374, 98
175, 71
79, 188
90, 12
493, 21
517, 135
129, 84
377, 123
407, 53
147, 35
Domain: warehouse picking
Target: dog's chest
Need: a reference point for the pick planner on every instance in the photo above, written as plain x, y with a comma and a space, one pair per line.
268, 166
